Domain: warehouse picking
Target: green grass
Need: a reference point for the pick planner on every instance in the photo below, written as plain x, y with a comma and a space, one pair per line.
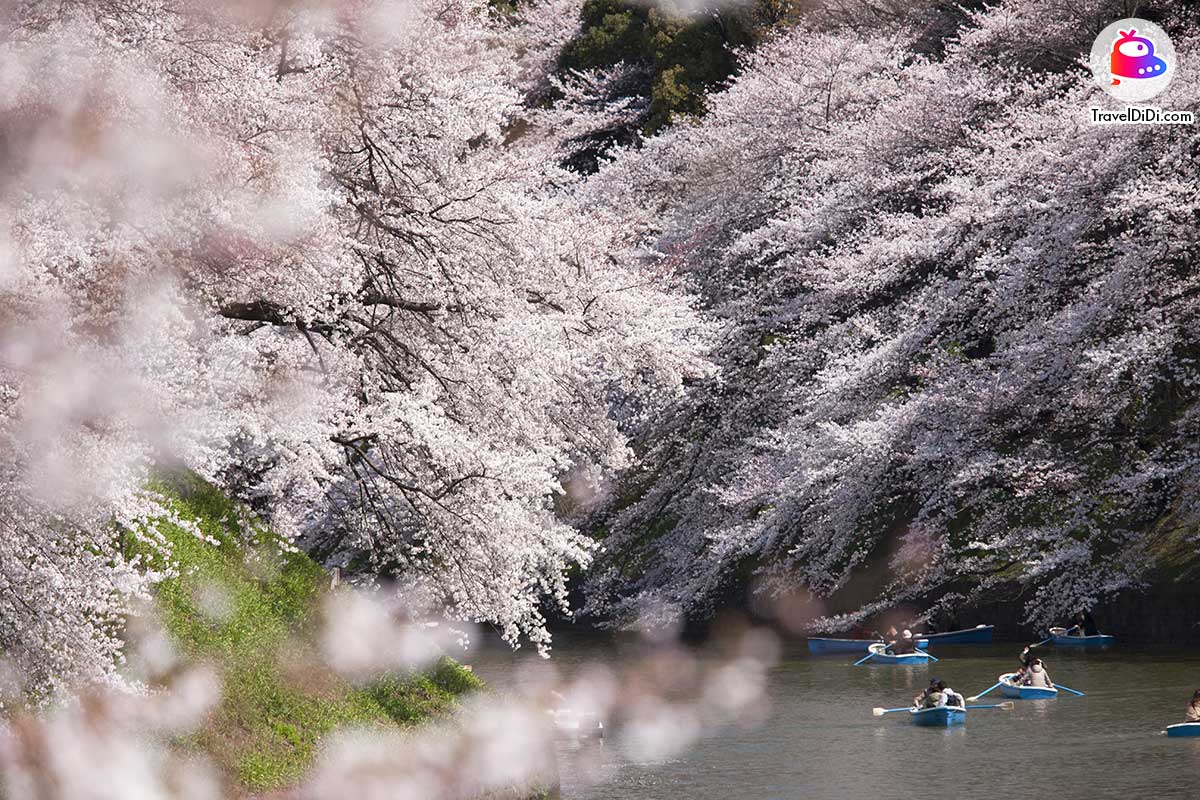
250, 607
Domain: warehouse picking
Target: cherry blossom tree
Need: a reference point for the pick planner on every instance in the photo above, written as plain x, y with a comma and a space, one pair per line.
292, 248
960, 325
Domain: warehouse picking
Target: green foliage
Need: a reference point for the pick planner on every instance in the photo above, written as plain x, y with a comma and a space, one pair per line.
683, 57
505, 8
249, 606
954, 349
420, 697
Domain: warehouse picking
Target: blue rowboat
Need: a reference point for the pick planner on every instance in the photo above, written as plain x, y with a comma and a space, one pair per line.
898, 660
819, 645
1184, 729
1060, 638
1010, 689
940, 717
980, 634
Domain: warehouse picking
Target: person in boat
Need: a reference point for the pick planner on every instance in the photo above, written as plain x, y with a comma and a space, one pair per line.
1024, 658
950, 697
1036, 675
1193, 709
938, 694
903, 644
932, 697
1084, 625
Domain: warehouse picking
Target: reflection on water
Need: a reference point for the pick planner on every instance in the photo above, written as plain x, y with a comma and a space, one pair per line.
821, 740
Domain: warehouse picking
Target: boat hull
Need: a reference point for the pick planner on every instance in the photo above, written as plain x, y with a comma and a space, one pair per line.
1102, 640
1024, 692
819, 645
1183, 729
980, 634
908, 659
942, 717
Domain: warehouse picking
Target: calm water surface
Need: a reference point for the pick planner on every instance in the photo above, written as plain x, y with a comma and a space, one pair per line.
821, 740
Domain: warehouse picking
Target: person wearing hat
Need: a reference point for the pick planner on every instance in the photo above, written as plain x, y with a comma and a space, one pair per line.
903, 644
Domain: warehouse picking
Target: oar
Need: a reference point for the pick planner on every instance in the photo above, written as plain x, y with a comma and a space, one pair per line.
1069, 689
985, 691
879, 712
1007, 704
871, 654
864, 658
1047, 640
932, 657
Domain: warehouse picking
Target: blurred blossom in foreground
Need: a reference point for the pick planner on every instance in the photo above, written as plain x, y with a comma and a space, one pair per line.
492, 749
287, 247
369, 634
112, 746
497, 744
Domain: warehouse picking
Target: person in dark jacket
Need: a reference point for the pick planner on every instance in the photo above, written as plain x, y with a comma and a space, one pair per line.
1084, 625
903, 644
1025, 658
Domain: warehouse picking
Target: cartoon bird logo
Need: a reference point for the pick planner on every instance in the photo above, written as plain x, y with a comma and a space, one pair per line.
1133, 57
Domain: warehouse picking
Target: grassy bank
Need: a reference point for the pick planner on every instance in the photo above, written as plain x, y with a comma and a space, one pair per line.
250, 607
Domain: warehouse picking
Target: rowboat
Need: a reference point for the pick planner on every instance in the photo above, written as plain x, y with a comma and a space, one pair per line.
980, 634
940, 717
1009, 688
1184, 729
1060, 638
819, 645
900, 660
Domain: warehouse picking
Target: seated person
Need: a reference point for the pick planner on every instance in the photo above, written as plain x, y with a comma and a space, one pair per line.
1084, 625
1036, 675
903, 645
1025, 658
950, 697
919, 700
1193, 709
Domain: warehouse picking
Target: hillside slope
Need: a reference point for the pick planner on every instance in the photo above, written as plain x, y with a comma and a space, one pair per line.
249, 606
